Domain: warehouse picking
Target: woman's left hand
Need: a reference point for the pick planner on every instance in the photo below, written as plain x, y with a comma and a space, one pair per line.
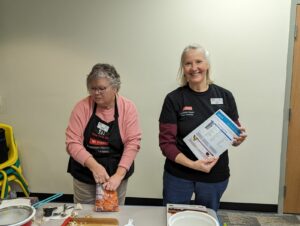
115, 180
240, 139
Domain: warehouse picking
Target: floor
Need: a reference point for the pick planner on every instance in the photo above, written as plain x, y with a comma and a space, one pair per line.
243, 218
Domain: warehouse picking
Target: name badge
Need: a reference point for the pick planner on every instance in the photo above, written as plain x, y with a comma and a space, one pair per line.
102, 127
216, 100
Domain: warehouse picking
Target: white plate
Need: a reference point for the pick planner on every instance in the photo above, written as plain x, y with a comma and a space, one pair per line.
192, 218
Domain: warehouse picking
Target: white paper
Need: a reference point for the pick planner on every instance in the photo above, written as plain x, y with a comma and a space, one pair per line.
15, 202
212, 137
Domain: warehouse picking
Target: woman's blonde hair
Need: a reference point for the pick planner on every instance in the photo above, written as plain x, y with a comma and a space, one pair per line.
181, 77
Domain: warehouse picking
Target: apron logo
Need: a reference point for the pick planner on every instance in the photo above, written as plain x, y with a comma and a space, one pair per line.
98, 142
187, 108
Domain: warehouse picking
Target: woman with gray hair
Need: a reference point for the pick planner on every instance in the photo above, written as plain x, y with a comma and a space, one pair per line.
183, 110
103, 137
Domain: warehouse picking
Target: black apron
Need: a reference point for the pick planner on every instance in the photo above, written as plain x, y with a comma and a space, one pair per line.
103, 141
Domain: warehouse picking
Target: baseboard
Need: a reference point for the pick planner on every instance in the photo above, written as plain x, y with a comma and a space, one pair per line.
68, 198
271, 208
143, 201
224, 205
65, 198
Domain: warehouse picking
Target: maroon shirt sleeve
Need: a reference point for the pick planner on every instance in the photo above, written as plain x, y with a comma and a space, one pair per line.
167, 140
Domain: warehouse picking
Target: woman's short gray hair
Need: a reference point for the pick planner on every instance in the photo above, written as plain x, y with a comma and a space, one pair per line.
205, 53
104, 71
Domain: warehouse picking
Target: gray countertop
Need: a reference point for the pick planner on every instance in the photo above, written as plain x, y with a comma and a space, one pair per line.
141, 215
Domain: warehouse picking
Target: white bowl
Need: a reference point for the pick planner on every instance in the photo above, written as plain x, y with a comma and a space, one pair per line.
16, 215
192, 218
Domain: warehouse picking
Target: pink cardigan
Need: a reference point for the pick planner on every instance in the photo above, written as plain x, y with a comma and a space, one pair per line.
128, 124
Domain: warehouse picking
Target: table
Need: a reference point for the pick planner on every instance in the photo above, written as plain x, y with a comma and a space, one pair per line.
141, 215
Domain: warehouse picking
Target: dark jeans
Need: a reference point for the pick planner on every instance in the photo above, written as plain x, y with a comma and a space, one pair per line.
180, 191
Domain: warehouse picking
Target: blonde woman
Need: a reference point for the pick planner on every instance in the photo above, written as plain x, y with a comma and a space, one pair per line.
183, 110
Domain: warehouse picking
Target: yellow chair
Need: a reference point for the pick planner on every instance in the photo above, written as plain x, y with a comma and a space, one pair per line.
11, 170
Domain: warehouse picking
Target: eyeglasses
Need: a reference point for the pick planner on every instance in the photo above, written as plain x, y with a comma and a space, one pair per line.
99, 89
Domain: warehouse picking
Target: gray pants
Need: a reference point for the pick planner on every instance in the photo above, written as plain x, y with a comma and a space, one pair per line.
86, 193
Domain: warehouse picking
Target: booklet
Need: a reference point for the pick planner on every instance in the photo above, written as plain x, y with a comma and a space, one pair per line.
213, 136
175, 208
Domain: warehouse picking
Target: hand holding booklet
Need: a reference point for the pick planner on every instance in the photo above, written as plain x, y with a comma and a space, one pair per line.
214, 136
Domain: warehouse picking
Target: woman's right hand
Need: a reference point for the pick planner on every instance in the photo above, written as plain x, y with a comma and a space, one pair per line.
99, 172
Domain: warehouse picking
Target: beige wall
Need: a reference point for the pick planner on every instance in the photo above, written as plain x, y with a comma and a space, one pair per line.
47, 48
